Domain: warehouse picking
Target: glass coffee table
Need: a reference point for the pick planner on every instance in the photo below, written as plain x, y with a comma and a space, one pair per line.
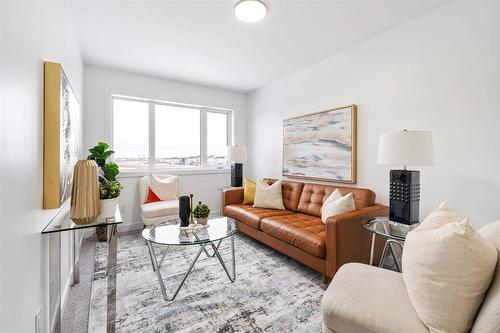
168, 234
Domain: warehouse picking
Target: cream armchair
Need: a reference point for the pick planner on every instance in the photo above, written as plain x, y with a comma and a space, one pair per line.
156, 212
364, 298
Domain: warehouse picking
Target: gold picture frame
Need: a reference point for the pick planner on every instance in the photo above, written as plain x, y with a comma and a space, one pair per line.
322, 145
60, 136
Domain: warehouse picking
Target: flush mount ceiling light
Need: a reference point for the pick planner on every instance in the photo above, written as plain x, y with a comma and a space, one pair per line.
250, 10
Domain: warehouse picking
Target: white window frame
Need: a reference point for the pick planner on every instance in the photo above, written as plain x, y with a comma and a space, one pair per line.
152, 133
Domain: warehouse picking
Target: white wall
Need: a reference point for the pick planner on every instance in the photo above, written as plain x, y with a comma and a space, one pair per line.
100, 84
439, 72
29, 34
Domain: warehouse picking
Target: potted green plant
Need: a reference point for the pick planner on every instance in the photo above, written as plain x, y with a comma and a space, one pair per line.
109, 187
201, 213
109, 191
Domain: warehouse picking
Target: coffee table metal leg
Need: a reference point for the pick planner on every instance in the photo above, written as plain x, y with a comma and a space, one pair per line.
160, 279
212, 255
216, 251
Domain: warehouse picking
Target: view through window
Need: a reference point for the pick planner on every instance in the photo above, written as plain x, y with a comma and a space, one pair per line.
131, 133
154, 135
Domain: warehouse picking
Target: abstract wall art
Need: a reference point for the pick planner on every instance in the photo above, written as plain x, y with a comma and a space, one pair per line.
61, 141
321, 145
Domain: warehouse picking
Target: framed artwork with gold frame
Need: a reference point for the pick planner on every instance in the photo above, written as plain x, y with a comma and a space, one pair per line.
321, 145
61, 135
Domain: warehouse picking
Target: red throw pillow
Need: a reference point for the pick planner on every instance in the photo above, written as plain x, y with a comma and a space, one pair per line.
151, 197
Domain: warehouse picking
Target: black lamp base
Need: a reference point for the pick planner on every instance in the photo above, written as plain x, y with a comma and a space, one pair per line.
236, 174
404, 203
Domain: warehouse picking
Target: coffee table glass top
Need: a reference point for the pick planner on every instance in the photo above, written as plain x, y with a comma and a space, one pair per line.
168, 233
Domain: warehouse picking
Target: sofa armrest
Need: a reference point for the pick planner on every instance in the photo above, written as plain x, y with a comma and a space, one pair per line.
348, 241
231, 197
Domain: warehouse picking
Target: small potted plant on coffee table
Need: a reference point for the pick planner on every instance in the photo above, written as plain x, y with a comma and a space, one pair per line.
201, 213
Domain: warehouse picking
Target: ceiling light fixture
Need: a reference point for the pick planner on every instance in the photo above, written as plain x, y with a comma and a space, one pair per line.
250, 10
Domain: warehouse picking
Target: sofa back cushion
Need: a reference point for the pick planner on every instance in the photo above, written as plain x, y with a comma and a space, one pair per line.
313, 196
488, 318
291, 193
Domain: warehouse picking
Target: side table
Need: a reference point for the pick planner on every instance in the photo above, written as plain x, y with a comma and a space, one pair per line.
66, 224
380, 226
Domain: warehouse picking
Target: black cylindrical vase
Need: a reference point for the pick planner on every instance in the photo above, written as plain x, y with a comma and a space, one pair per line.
184, 210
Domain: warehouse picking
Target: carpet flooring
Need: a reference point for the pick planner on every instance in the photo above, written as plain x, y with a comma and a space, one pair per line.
272, 293
76, 314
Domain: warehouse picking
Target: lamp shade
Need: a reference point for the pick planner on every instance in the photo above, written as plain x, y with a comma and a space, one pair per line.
237, 153
406, 148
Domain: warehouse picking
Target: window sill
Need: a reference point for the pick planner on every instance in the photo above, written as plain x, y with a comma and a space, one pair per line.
180, 172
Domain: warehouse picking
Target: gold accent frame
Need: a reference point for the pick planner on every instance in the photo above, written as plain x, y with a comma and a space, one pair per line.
53, 73
354, 130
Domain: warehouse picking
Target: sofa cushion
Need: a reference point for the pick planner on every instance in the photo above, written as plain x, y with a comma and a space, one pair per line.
447, 271
268, 196
164, 188
337, 204
160, 208
291, 193
313, 196
303, 231
488, 318
250, 215
364, 298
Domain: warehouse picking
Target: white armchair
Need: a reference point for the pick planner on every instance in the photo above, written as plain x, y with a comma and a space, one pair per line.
364, 298
160, 211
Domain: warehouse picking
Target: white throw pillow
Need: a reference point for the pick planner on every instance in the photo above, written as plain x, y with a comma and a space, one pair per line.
337, 204
447, 268
165, 188
268, 196
439, 217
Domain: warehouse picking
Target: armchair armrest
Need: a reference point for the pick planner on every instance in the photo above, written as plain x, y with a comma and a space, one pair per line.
231, 196
348, 241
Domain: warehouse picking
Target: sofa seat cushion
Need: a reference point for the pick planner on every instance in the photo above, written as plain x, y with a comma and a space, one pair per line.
250, 215
160, 208
364, 298
303, 231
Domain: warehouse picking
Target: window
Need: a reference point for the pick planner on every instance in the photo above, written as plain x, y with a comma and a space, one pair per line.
157, 135
177, 137
130, 133
217, 140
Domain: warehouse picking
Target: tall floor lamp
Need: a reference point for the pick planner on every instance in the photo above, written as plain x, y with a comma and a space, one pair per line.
405, 148
237, 154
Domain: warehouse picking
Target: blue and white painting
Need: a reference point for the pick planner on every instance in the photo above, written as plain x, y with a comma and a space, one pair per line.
320, 145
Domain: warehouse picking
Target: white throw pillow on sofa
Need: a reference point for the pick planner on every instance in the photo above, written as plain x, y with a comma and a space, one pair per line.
447, 268
337, 204
164, 188
269, 196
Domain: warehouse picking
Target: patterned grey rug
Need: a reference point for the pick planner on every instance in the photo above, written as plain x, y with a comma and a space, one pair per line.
272, 293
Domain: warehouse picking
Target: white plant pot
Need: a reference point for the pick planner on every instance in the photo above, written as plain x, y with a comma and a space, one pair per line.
108, 207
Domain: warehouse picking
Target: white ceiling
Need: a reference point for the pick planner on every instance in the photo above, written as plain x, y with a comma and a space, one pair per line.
201, 41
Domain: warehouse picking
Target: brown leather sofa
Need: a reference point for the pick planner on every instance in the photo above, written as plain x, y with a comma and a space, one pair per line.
299, 232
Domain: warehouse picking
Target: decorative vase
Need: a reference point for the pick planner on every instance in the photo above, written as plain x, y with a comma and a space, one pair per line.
108, 207
85, 206
184, 210
202, 220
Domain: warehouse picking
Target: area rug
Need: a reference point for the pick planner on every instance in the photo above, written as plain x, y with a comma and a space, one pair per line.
272, 293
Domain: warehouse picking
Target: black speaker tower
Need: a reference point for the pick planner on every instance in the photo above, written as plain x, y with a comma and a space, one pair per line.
237, 174
404, 196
